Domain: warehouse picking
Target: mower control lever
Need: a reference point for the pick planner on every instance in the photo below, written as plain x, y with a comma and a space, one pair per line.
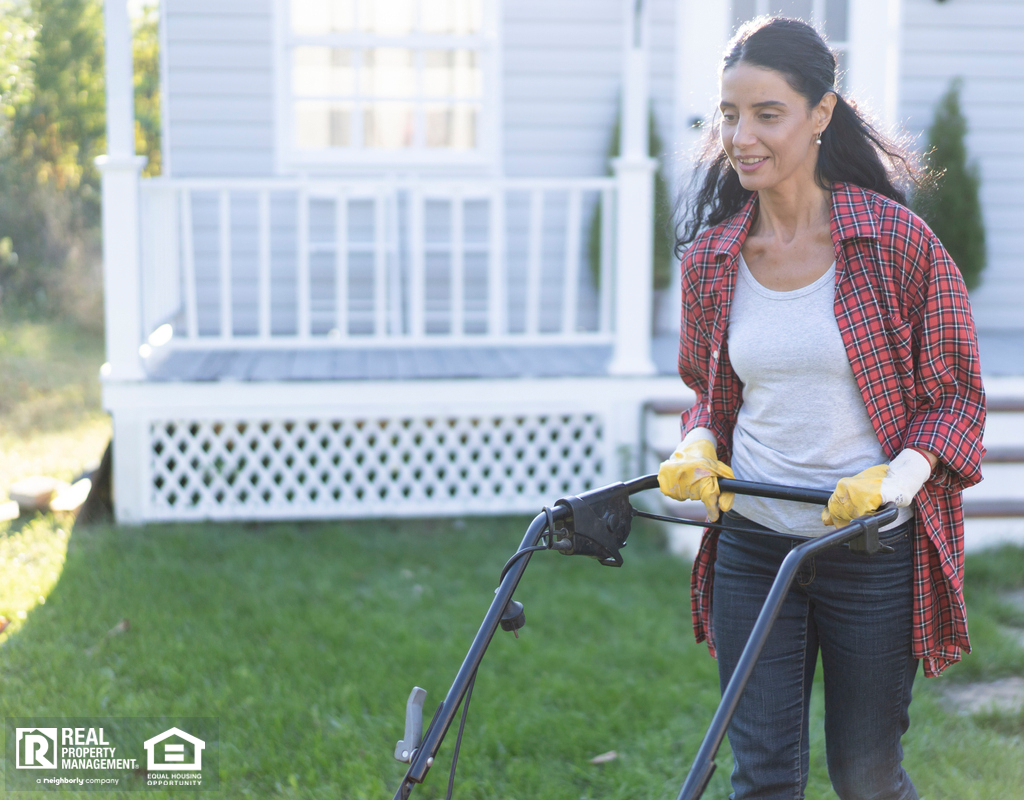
413, 725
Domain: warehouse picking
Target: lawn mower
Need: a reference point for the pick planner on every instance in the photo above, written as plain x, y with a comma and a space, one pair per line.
596, 524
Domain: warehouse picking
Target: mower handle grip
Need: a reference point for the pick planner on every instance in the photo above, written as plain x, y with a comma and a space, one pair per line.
798, 494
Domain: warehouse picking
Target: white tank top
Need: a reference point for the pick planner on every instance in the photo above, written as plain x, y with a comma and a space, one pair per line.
803, 421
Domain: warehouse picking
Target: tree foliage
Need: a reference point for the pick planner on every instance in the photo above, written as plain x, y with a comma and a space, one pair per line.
61, 129
663, 242
146, 57
953, 208
52, 128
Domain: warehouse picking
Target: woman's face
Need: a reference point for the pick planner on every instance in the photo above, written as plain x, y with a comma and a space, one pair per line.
767, 129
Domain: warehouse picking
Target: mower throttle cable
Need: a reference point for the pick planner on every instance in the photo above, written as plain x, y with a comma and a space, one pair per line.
715, 526
458, 739
548, 537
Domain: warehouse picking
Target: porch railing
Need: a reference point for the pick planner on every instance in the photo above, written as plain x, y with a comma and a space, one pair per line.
301, 263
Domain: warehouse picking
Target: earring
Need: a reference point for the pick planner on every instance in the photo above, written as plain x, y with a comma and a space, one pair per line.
818, 140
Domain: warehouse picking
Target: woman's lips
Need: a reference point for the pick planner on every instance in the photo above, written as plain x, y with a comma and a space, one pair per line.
750, 163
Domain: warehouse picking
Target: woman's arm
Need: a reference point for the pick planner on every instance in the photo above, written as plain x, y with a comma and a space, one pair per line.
950, 398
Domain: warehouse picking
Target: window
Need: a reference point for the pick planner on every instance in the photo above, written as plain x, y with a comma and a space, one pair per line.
386, 81
828, 16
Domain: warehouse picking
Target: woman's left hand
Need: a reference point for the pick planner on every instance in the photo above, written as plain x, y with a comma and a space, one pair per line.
897, 483
854, 497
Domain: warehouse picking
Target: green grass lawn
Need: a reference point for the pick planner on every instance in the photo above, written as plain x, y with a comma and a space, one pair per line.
50, 417
305, 640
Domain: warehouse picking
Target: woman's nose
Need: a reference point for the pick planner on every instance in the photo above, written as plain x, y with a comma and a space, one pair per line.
743, 134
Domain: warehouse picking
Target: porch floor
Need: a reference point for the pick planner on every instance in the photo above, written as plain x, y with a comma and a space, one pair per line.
382, 363
1002, 353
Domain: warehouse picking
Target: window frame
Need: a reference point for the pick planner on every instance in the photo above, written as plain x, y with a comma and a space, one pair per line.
484, 158
818, 20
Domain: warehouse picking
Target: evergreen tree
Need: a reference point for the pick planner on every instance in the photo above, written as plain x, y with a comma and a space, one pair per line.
663, 258
953, 208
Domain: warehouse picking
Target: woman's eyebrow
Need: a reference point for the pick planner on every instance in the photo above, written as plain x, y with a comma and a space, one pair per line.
762, 104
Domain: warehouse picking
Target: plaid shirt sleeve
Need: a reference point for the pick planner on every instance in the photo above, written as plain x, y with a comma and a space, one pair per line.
708, 279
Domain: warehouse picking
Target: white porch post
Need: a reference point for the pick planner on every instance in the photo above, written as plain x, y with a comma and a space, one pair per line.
122, 298
634, 172
120, 169
874, 56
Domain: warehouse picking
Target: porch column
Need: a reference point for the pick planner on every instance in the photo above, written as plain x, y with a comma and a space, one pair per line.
634, 173
120, 170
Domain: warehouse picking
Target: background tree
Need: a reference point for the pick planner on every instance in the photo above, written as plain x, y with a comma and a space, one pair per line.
51, 130
663, 243
953, 208
146, 57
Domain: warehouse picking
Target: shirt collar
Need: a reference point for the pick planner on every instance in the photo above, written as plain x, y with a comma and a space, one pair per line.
852, 218
852, 215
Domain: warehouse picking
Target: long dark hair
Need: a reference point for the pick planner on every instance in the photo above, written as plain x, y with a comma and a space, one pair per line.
851, 151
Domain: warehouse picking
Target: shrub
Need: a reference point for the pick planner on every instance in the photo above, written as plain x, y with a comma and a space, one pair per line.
953, 208
662, 256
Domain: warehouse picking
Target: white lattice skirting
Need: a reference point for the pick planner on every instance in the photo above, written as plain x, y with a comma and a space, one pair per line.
364, 467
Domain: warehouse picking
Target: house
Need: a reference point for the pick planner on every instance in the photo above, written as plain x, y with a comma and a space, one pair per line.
386, 271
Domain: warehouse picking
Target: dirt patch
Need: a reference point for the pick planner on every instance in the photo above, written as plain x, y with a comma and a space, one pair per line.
1004, 695
1015, 598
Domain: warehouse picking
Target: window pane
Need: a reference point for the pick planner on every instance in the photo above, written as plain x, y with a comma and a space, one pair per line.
835, 19
451, 16
801, 9
387, 17
388, 125
319, 71
451, 126
742, 10
451, 73
842, 64
320, 124
388, 72
317, 17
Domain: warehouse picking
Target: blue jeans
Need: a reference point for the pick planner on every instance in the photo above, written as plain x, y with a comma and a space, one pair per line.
856, 610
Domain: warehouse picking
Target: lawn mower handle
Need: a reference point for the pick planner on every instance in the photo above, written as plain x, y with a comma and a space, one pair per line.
422, 759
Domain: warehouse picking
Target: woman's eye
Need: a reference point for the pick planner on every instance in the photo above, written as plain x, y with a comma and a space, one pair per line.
769, 116
729, 117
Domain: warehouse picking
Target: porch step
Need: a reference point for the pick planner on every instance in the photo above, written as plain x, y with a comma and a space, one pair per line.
994, 509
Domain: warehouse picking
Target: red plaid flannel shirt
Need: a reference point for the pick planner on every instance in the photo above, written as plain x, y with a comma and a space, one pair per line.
905, 319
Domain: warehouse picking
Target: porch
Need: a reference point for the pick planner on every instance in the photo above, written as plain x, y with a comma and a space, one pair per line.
342, 349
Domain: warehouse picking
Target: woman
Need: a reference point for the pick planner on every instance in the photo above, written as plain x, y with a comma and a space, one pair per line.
829, 340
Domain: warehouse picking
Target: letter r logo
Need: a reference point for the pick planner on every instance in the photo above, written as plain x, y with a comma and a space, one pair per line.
37, 748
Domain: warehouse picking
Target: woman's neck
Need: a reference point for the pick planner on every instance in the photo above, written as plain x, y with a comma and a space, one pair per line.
784, 213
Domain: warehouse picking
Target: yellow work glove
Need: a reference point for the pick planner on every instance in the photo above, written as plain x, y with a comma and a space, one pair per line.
854, 497
898, 482
692, 473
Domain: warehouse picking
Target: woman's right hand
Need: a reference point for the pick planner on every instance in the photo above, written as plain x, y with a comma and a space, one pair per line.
692, 473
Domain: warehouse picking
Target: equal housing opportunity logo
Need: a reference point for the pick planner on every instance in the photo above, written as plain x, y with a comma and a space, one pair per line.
111, 753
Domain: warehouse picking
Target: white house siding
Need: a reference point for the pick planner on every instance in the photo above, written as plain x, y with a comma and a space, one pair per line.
220, 87
562, 65
981, 41
562, 73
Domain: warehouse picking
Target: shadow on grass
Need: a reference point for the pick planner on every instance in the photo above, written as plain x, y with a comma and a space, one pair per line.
304, 640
